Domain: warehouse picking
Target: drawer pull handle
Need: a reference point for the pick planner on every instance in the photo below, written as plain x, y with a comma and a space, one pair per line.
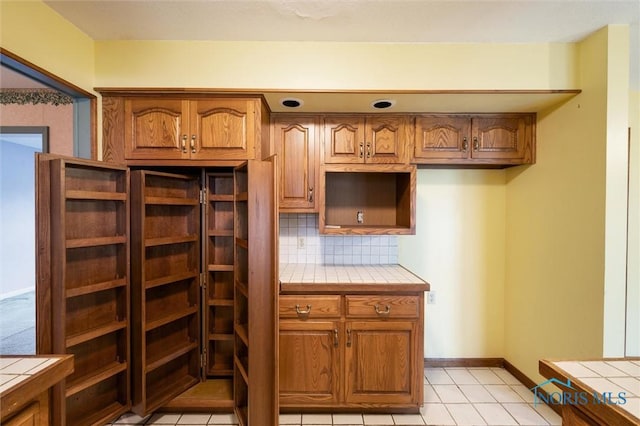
193, 144
302, 312
387, 310
476, 144
348, 337
465, 144
335, 337
361, 149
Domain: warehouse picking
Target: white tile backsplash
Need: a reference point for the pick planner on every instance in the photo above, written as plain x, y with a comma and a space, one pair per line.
331, 249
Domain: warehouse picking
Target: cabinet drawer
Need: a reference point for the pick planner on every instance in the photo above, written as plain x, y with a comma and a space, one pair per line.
309, 307
383, 306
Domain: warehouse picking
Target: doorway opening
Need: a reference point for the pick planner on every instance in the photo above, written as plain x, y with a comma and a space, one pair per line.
29, 97
18, 145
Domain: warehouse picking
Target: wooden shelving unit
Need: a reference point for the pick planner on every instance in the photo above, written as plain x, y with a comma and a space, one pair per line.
165, 264
144, 276
83, 216
219, 260
255, 289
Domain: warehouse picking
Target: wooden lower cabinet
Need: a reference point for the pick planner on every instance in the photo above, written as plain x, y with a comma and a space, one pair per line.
380, 362
310, 361
369, 356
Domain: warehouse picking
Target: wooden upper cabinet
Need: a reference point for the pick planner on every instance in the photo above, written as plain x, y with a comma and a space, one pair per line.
199, 129
223, 129
296, 144
366, 139
156, 128
490, 139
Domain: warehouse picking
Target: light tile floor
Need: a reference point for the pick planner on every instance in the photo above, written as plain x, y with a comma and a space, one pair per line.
453, 396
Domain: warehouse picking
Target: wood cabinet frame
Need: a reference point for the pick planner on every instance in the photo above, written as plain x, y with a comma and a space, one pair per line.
167, 270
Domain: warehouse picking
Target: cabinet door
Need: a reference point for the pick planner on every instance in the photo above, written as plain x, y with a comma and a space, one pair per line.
440, 138
504, 138
156, 129
256, 288
380, 362
223, 128
296, 145
386, 138
82, 290
165, 281
309, 362
344, 139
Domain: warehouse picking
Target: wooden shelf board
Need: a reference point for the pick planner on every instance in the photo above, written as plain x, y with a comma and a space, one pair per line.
93, 333
241, 332
163, 241
220, 232
221, 197
174, 316
94, 288
220, 336
170, 279
169, 355
95, 242
210, 394
243, 372
158, 394
171, 201
220, 268
220, 302
242, 242
95, 195
96, 376
103, 416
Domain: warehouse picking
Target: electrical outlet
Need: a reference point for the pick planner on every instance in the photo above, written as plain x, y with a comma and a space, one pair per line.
301, 243
431, 298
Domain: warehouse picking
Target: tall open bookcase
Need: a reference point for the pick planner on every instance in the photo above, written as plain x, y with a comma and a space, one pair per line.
162, 282
256, 338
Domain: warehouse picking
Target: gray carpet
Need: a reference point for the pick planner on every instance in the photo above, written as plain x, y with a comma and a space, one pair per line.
18, 325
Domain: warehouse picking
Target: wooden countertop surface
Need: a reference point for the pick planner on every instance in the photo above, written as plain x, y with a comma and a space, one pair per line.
24, 377
318, 278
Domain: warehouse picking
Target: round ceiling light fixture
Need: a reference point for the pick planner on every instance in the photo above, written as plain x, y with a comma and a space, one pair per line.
383, 103
291, 102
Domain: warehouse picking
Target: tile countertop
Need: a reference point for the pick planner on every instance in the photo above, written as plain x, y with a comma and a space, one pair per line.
23, 377
318, 278
609, 377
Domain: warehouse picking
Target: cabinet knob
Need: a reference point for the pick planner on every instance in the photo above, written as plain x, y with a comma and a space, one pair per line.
361, 149
368, 150
335, 337
193, 144
386, 312
184, 144
303, 312
348, 337
465, 144
310, 194
476, 144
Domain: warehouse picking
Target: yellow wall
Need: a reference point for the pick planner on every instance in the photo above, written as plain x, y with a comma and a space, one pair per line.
556, 224
332, 66
633, 273
459, 248
36, 33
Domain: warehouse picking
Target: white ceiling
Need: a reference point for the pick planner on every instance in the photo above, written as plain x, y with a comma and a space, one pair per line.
503, 21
